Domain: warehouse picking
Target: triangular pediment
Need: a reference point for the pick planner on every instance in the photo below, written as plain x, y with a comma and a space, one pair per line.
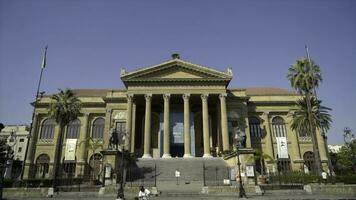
176, 69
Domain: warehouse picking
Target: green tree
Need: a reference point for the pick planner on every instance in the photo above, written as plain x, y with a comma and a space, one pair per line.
64, 107
304, 77
343, 161
319, 116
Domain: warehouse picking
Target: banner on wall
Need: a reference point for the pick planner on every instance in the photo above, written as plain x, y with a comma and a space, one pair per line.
282, 147
71, 147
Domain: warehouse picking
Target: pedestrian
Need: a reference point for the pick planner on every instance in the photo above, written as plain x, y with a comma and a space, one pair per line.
143, 194
324, 175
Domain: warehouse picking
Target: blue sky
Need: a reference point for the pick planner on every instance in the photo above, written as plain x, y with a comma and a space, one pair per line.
90, 41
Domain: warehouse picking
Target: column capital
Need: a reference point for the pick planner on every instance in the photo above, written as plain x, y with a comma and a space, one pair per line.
265, 114
86, 114
108, 110
130, 97
186, 96
222, 96
204, 97
148, 97
166, 96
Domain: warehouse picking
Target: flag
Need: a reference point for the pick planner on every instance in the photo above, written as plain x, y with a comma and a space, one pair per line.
44, 58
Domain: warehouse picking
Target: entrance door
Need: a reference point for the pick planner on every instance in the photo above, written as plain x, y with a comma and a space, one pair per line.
177, 134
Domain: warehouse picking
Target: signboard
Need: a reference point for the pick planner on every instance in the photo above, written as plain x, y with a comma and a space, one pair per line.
107, 171
71, 146
282, 147
250, 171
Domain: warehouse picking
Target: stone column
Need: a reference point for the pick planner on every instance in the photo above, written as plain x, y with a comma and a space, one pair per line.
129, 121
166, 140
31, 148
107, 127
206, 139
268, 138
82, 154
224, 131
293, 138
147, 142
133, 128
187, 144
321, 146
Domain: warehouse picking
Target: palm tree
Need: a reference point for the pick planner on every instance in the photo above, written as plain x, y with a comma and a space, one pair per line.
305, 77
64, 107
321, 119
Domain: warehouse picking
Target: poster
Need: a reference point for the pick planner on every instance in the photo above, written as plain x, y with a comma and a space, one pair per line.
282, 147
71, 145
250, 171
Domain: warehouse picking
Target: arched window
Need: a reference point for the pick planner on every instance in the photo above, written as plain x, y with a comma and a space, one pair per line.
98, 128
47, 129
42, 166
279, 127
309, 160
255, 127
73, 129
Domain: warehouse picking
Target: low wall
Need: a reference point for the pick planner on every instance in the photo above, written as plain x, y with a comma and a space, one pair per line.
24, 192
333, 189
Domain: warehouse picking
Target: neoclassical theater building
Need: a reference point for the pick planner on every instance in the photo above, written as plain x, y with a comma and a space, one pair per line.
175, 109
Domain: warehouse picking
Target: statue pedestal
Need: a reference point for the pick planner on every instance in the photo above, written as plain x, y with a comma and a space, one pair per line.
111, 162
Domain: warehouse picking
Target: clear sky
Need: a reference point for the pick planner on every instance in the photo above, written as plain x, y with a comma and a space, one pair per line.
89, 42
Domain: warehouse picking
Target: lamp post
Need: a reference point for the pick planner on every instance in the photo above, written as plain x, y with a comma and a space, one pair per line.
121, 141
238, 140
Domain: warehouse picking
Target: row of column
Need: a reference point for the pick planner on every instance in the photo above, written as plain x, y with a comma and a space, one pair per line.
166, 126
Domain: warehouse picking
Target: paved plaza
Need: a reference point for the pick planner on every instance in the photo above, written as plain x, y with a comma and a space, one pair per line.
175, 196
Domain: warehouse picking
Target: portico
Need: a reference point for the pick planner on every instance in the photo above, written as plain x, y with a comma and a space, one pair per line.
176, 110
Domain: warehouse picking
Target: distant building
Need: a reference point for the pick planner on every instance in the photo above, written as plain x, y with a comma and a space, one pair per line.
16, 136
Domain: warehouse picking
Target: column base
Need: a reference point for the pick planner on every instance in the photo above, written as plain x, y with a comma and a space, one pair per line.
188, 155
207, 155
167, 155
146, 156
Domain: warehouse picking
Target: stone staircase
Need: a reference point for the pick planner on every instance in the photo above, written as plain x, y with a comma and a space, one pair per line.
191, 172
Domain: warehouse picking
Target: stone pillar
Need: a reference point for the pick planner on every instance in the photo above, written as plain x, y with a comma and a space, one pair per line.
247, 132
147, 137
128, 121
292, 137
187, 144
133, 128
31, 148
321, 146
107, 127
206, 139
166, 126
224, 128
82, 156
268, 139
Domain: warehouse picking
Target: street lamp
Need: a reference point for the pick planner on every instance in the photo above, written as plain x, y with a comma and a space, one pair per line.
121, 142
238, 144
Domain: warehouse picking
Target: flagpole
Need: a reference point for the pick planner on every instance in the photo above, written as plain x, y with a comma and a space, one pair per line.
34, 109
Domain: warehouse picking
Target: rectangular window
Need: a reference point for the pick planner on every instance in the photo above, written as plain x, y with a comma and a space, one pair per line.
20, 149
22, 140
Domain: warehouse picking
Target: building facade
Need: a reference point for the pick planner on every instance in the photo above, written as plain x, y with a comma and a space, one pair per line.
176, 109
17, 138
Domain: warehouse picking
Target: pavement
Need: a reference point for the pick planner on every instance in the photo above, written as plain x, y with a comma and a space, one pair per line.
178, 196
